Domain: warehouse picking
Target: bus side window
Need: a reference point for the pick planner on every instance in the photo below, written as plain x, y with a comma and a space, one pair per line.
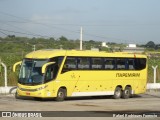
70, 64
58, 60
121, 65
96, 63
131, 64
109, 64
140, 63
83, 63
49, 73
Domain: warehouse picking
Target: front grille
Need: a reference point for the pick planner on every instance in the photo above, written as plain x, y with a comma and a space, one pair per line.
31, 90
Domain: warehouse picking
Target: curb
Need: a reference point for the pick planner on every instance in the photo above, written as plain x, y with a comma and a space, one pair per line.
8, 90
153, 85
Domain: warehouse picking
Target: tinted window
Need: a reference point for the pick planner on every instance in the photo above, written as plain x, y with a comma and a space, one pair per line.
49, 73
86, 63
58, 60
121, 64
83, 63
96, 63
109, 63
140, 63
130, 64
70, 64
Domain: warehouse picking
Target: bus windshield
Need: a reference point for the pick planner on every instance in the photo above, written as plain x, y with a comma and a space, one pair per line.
30, 72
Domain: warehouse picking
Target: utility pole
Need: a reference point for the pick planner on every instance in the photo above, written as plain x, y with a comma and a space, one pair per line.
81, 38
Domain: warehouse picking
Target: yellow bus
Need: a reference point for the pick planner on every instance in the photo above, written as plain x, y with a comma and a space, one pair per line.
67, 73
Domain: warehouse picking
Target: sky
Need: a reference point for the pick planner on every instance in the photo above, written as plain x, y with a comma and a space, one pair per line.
120, 21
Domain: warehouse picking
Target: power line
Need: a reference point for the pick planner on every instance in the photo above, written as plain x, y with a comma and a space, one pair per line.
3, 33
4, 13
103, 37
51, 26
38, 23
21, 33
25, 30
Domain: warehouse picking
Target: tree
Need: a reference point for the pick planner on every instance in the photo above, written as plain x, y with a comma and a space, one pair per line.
150, 44
157, 46
91, 41
63, 39
11, 36
51, 38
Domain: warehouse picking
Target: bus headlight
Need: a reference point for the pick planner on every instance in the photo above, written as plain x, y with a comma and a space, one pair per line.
43, 87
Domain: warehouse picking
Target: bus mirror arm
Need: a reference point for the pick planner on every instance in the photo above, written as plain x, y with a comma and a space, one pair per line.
15, 65
45, 65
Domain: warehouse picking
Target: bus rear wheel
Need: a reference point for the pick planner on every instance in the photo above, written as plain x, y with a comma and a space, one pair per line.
126, 93
61, 94
117, 93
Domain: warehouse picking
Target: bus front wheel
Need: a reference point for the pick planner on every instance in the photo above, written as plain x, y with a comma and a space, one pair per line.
17, 96
126, 92
117, 93
61, 94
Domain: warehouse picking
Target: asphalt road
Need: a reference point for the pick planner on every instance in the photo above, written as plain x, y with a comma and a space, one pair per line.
139, 107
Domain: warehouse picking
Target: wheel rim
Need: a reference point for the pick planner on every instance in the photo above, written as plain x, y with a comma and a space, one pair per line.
61, 95
126, 92
118, 93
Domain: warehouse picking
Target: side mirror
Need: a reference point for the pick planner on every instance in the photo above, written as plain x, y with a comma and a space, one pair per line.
15, 65
45, 65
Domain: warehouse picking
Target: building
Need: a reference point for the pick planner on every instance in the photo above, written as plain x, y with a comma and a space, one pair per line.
133, 49
104, 44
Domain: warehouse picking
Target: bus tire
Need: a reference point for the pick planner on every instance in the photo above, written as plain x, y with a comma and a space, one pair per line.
126, 93
17, 96
61, 94
38, 99
117, 93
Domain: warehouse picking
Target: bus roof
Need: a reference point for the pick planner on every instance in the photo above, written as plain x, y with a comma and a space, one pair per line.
49, 53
